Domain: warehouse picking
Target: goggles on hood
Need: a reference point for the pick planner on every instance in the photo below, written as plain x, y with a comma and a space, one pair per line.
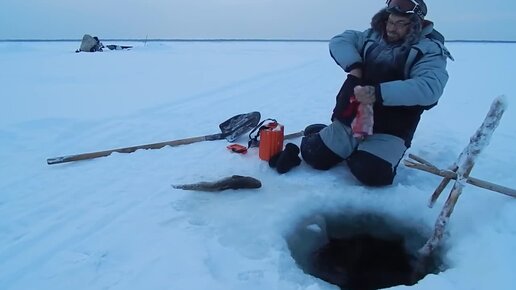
405, 7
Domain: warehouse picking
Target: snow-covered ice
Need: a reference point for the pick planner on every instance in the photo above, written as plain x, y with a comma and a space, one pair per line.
116, 223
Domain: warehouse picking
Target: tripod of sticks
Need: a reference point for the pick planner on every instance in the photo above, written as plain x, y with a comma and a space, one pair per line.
459, 171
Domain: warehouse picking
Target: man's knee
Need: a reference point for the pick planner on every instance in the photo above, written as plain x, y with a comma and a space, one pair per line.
370, 169
317, 154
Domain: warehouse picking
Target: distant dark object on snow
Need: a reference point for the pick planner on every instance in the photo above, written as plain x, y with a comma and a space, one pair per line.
92, 44
117, 47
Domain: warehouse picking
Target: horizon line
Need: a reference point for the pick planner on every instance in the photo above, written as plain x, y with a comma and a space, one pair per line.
222, 40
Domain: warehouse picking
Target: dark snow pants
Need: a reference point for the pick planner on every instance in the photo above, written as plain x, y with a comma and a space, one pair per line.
373, 161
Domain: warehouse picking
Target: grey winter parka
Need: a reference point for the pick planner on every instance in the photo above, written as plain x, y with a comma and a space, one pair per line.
412, 81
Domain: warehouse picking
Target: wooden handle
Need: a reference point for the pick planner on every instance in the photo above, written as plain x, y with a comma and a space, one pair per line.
91, 155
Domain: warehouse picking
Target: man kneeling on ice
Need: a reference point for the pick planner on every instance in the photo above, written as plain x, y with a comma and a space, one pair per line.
396, 70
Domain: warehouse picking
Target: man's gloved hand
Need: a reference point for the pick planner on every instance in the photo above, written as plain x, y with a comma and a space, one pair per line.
344, 111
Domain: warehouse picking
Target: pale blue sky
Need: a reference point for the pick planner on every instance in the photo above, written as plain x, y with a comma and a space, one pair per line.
276, 19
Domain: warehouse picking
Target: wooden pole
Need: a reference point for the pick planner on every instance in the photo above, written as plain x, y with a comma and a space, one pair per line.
452, 175
441, 187
465, 164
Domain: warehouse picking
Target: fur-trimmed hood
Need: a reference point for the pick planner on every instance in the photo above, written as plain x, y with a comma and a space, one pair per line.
418, 29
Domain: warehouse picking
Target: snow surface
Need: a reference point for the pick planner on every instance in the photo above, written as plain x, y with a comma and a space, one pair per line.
116, 222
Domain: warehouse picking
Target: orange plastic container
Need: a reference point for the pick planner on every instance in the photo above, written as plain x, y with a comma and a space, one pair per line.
271, 141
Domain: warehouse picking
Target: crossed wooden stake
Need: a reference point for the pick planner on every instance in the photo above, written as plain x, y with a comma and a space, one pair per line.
460, 171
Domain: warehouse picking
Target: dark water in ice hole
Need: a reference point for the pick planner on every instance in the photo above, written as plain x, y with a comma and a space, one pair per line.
361, 251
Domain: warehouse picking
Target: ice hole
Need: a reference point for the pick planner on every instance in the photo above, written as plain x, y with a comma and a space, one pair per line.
362, 251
